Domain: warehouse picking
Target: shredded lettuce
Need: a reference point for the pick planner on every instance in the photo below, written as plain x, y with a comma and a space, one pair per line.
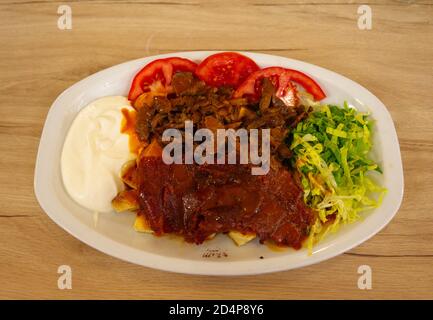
331, 153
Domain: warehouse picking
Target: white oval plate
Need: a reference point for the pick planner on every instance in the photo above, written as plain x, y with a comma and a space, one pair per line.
113, 234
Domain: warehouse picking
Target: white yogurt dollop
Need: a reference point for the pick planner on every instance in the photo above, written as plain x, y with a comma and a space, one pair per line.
94, 152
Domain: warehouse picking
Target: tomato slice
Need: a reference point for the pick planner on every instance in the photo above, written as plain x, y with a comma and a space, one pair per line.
281, 78
162, 70
225, 69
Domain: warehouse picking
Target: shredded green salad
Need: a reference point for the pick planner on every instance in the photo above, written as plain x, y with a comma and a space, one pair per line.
331, 149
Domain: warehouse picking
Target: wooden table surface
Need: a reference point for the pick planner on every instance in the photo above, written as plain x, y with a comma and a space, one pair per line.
394, 60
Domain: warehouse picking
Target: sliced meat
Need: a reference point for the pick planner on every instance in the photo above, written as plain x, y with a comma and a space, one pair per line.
197, 201
184, 83
268, 91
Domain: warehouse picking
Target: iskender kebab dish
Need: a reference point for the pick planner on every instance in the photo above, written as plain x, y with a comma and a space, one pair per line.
319, 175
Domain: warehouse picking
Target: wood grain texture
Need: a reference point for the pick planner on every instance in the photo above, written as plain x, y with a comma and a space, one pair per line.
38, 61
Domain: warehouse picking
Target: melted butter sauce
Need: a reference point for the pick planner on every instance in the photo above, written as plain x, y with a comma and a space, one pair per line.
129, 121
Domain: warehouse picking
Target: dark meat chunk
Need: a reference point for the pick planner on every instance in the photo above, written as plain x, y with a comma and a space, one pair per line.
142, 126
268, 91
184, 83
161, 104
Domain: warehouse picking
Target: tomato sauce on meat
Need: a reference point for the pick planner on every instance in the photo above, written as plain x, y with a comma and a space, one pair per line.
197, 201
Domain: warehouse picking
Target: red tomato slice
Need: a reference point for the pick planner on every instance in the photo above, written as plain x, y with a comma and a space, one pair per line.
281, 78
225, 69
161, 69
